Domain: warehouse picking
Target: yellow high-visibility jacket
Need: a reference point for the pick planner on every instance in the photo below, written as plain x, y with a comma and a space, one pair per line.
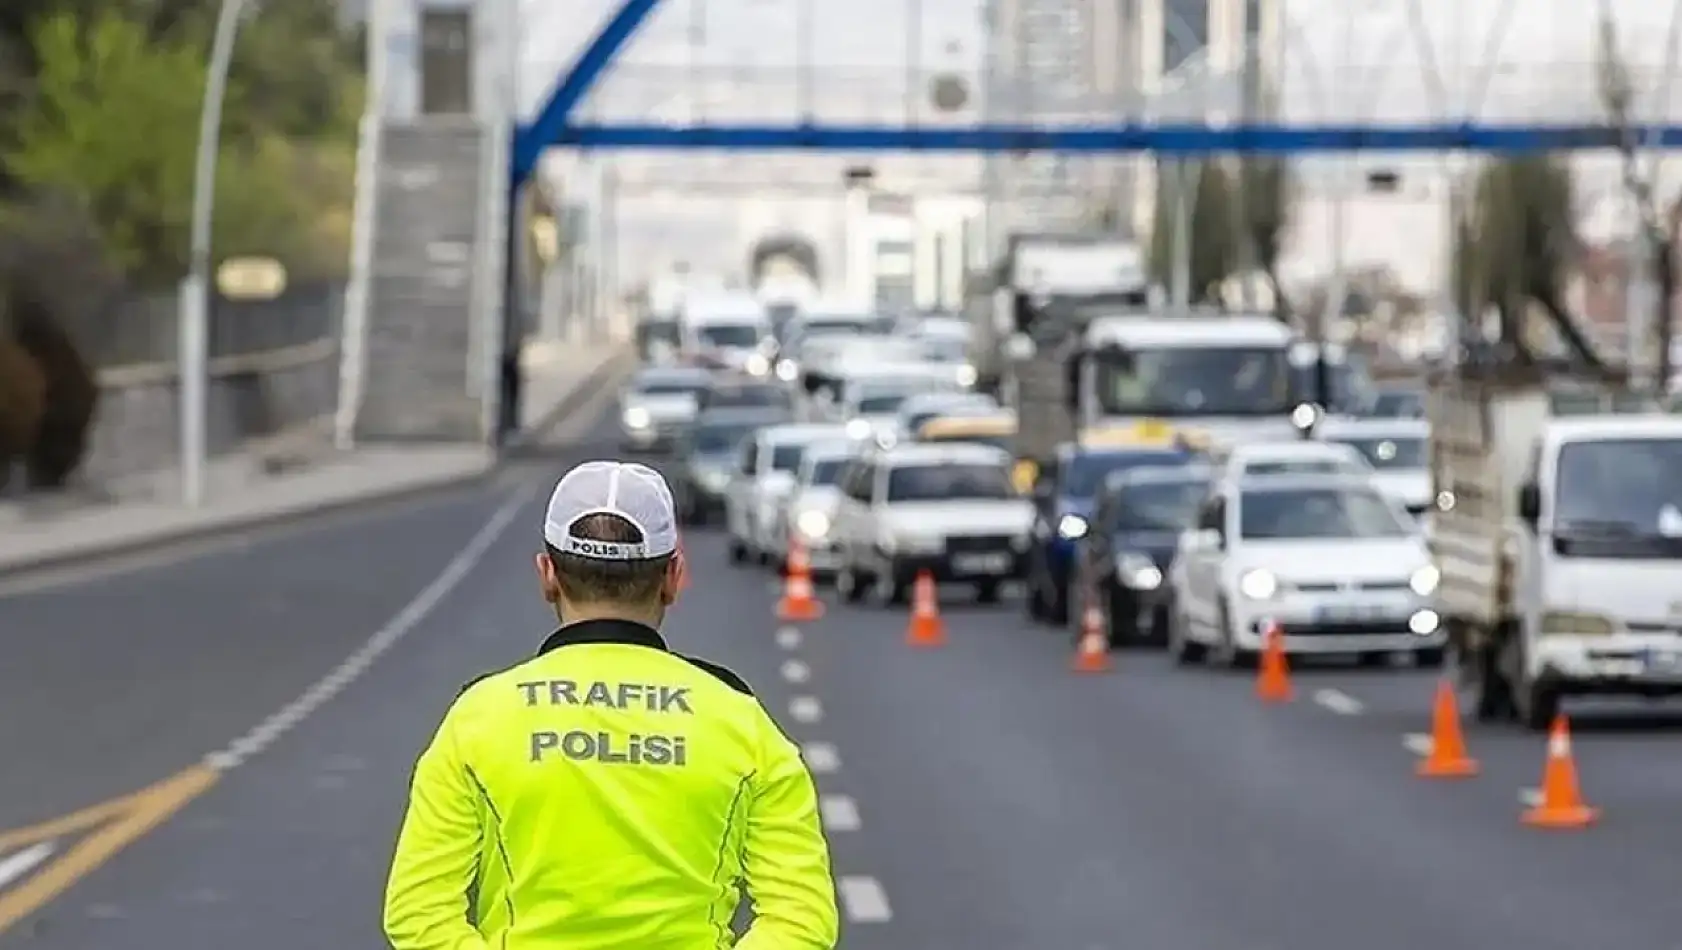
609, 793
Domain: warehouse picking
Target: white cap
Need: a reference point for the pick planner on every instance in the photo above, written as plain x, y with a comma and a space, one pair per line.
627, 490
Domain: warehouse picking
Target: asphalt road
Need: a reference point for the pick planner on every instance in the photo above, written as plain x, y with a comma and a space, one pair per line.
978, 795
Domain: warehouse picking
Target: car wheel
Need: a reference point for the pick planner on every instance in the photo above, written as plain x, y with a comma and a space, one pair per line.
1123, 623
1032, 603
738, 551
1057, 609
987, 592
1184, 650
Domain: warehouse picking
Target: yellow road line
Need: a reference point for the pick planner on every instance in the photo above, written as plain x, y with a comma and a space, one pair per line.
120, 822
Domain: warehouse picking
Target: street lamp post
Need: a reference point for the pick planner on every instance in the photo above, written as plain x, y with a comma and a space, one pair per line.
194, 317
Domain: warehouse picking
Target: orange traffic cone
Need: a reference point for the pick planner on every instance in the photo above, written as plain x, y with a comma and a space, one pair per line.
799, 601
1273, 676
926, 628
1562, 803
1092, 650
1448, 758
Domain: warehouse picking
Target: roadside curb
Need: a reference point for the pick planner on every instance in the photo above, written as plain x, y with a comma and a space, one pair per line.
302, 513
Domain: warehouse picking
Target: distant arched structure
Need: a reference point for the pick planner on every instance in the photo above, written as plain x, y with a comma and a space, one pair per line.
783, 254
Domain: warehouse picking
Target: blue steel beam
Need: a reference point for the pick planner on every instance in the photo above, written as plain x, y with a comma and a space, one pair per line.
530, 140
1140, 137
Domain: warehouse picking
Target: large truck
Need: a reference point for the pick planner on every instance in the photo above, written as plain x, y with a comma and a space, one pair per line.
1557, 538
1047, 288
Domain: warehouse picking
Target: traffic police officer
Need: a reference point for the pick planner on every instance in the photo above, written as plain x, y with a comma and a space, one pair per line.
609, 792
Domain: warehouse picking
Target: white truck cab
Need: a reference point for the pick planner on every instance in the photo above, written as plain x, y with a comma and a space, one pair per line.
1227, 376
1559, 542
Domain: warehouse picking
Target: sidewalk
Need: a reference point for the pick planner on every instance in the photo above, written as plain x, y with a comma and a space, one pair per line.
243, 493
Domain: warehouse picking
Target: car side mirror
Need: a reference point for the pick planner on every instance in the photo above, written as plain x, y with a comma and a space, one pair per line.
1530, 503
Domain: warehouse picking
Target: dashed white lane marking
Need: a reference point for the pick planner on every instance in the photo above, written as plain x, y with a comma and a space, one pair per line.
789, 638
796, 672
821, 757
805, 709
864, 900
1338, 702
840, 813
383, 639
1530, 797
16, 865
1418, 743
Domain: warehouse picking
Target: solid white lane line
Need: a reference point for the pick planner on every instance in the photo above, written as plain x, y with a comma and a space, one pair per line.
840, 813
864, 900
1338, 702
19, 863
821, 757
805, 709
383, 639
1418, 743
789, 638
796, 672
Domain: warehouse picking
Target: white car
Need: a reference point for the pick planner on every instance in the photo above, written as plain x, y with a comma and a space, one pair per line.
1338, 565
765, 475
657, 404
947, 509
1396, 450
809, 511
1304, 457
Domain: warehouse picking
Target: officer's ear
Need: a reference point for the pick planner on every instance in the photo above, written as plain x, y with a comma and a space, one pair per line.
677, 578
546, 579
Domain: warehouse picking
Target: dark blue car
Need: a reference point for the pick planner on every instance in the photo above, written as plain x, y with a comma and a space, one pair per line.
1126, 556
1064, 499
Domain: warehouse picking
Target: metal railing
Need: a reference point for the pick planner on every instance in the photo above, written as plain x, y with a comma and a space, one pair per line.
143, 332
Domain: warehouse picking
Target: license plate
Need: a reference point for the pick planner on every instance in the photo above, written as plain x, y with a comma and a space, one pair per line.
1349, 613
981, 563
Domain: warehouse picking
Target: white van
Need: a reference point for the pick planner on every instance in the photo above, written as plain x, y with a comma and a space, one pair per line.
727, 331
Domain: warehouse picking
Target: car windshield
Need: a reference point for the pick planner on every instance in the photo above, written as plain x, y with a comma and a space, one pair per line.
1619, 498
668, 387
736, 335
810, 327
786, 458
944, 349
746, 396
1081, 475
877, 404
827, 471
1348, 384
948, 481
1302, 466
714, 439
1309, 513
1401, 452
1159, 506
1195, 381
1399, 404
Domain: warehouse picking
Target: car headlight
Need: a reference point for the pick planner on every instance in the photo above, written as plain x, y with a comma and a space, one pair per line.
1258, 584
813, 524
1072, 527
858, 429
1138, 572
757, 365
637, 417
787, 371
1425, 580
967, 375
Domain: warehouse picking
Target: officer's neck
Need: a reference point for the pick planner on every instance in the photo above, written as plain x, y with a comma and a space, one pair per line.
569, 614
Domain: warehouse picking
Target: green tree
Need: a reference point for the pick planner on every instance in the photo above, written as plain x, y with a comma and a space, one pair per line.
1214, 250
112, 123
